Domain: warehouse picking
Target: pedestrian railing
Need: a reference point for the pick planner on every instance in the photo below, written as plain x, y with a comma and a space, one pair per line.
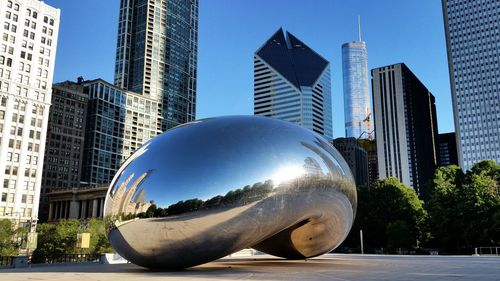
6, 261
66, 258
487, 251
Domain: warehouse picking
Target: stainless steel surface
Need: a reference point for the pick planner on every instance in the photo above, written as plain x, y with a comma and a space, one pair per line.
209, 188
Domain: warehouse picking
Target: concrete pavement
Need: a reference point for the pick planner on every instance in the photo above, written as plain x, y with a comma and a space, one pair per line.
327, 267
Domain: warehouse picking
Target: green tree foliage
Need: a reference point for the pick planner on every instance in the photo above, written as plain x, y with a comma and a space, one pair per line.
58, 239
390, 215
464, 209
7, 234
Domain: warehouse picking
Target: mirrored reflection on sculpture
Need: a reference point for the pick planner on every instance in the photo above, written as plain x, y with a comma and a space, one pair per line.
209, 188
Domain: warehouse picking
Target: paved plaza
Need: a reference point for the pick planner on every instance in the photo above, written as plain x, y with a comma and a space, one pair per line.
327, 267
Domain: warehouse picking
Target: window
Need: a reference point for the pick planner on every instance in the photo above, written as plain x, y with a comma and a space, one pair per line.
4, 197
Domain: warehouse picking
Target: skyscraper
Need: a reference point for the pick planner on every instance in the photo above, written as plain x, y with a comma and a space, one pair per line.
405, 126
356, 157
292, 83
27, 56
118, 123
64, 145
472, 34
447, 151
357, 112
156, 54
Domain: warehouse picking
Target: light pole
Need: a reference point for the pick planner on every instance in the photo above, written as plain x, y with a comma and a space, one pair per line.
361, 238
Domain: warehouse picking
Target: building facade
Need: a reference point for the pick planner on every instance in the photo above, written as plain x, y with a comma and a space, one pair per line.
156, 55
356, 157
65, 139
405, 126
472, 35
447, 144
357, 109
77, 203
370, 146
118, 122
292, 83
27, 55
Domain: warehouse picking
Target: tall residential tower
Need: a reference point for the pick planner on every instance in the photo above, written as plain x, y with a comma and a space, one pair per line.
27, 56
156, 55
472, 35
357, 112
405, 126
292, 83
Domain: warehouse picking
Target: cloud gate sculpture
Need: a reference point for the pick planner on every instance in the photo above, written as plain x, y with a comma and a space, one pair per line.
212, 187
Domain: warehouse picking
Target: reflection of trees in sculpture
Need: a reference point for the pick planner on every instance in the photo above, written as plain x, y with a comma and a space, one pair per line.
128, 208
242, 196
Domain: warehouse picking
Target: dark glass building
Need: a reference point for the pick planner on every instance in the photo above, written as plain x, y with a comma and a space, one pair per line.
405, 126
370, 146
62, 165
292, 83
356, 157
447, 149
156, 54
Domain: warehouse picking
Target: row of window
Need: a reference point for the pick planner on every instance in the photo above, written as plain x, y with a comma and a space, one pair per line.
29, 12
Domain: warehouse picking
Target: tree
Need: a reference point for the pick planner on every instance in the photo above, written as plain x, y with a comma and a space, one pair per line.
390, 215
7, 233
59, 239
99, 242
464, 209
445, 208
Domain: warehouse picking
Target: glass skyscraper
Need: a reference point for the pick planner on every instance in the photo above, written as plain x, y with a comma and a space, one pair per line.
292, 83
357, 113
156, 54
472, 35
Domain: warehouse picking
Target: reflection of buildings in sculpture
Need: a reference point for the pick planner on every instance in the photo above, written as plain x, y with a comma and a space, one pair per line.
333, 167
77, 203
123, 201
312, 167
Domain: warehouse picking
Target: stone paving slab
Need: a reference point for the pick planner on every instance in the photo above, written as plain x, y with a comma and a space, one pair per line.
327, 267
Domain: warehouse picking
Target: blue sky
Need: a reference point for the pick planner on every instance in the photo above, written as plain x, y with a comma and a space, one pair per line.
230, 31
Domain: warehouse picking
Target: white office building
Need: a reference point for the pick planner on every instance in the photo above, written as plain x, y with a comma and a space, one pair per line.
28, 30
472, 31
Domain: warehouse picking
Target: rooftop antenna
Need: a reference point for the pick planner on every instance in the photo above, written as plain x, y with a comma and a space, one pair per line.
359, 28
